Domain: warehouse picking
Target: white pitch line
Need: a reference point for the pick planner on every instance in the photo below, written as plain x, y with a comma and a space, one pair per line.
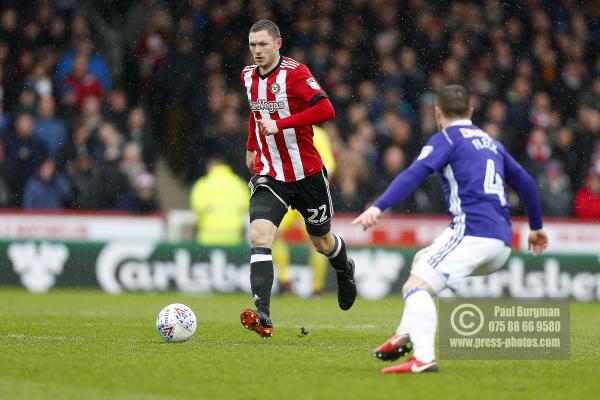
329, 326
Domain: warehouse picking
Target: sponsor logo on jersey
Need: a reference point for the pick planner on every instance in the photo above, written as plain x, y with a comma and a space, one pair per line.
425, 151
313, 83
471, 133
275, 88
264, 105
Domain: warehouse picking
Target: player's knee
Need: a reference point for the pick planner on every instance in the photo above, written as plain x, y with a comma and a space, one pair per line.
321, 247
417, 257
323, 244
414, 282
262, 236
259, 239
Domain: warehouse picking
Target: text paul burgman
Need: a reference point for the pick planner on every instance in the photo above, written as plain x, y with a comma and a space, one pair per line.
526, 312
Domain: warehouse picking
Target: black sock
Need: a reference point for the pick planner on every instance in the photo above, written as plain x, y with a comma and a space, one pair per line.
338, 257
261, 278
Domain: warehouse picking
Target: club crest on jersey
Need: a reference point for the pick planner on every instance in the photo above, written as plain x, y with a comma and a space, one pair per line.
275, 88
264, 105
313, 83
425, 151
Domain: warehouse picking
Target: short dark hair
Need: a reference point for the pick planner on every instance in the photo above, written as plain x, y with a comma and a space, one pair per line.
453, 100
266, 25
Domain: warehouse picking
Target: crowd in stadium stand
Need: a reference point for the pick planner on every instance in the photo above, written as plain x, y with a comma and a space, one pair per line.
92, 93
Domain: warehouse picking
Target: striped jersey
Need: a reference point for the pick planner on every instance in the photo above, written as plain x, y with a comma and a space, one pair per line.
289, 88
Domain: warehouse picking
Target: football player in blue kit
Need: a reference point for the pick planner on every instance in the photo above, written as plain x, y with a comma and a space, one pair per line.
473, 169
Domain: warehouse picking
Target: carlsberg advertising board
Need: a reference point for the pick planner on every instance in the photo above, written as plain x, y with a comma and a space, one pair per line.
155, 266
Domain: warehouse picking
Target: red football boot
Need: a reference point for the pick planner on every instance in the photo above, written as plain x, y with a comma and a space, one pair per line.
393, 348
412, 365
257, 322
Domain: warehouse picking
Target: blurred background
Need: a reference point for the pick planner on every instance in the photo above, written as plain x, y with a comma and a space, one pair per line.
111, 107
106, 99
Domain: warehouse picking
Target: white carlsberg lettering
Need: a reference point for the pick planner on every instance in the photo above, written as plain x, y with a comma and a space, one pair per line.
123, 266
376, 271
38, 265
549, 282
112, 256
558, 284
135, 275
582, 286
224, 276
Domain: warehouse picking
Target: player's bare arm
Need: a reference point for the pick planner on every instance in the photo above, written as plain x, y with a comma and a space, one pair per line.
537, 242
319, 112
368, 218
268, 126
250, 156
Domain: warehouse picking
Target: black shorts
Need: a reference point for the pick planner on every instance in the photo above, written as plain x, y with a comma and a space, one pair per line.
271, 198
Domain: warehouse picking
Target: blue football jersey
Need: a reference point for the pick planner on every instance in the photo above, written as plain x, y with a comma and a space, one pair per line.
473, 169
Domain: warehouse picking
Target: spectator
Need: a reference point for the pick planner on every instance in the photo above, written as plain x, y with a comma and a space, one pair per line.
143, 199
587, 199
538, 151
95, 64
137, 133
350, 192
5, 197
591, 96
570, 85
518, 97
394, 162
117, 109
47, 190
564, 151
24, 154
176, 85
152, 48
81, 83
91, 113
109, 145
81, 142
413, 78
9, 25
132, 164
49, 129
4, 120
555, 190
497, 113
115, 187
227, 137
40, 81
86, 182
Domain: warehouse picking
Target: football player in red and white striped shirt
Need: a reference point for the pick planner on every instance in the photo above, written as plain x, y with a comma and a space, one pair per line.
285, 101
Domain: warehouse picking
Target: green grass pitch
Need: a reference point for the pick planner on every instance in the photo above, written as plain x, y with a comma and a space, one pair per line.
89, 345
